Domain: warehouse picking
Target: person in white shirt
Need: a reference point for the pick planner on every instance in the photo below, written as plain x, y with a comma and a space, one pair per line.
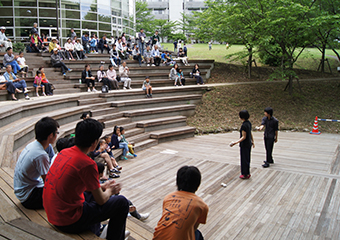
156, 56
123, 72
78, 47
4, 41
69, 48
22, 63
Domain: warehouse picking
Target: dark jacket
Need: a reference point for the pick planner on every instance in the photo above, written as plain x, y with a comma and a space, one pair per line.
83, 75
55, 58
194, 71
114, 141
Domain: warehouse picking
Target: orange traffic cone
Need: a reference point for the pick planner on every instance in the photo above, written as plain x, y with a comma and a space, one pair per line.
315, 127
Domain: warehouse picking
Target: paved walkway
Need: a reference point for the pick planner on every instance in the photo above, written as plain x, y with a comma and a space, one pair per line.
298, 197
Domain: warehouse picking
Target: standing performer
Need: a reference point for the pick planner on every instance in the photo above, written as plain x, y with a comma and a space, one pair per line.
270, 134
246, 141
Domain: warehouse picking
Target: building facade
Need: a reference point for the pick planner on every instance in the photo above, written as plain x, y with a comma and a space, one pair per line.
110, 17
172, 9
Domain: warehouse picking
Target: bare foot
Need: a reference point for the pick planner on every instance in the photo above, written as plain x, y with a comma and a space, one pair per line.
18, 90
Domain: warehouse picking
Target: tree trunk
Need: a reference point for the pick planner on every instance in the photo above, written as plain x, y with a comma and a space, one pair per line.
250, 59
323, 55
336, 53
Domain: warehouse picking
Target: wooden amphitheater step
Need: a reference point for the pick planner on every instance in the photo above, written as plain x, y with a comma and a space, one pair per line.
118, 122
173, 134
104, 111
139, 146
156, 102
82, 102
152, 125
138, 229
149, 113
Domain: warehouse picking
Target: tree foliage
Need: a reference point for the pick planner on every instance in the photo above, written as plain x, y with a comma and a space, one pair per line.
144, 18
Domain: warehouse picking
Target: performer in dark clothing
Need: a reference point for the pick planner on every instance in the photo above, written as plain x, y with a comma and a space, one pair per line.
270, 134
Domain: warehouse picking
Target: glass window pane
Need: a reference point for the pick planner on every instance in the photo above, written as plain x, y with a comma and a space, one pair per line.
24, 12
47, 3
104, 18
47, 13
25, 3
102, 33
72, 24
25, 22
116, 12
116, 4
7, 22
74, 4
104, 10
6, 3
22, 32
47, 22
114, 20
104, 27
89, 25
5, 12
89, 16
72, 14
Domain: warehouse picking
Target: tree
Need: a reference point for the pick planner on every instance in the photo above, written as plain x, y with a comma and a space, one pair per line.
165, 28
144, 18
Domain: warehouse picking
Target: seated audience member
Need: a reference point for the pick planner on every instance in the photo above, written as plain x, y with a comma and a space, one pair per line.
136, 55
112, 76
36, 42
10, 59
22, 64
196, 73
56, 62
37, 84
52, 45
101, 152
102, 77
148, 56
147, 87
156, 56
44, 81
132, 209
86, 77
129, 50
123, 72
62, 143
173, 75
103, 44
85, 40
73, 173
79, 49
69, 49
9, 86
130, 145
10, 77
180, 76
181, 56
181, 221
86, 115
4, 41
44, 40
120, 49
33, 165
93, 44
114, 56
116, 144
73, 34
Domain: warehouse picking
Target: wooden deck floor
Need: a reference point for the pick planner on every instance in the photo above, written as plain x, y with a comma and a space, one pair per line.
298, 197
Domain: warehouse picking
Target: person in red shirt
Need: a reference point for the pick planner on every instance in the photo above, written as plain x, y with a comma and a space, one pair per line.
183, 210
73, 173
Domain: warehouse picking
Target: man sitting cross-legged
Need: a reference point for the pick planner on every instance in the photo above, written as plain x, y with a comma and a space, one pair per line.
33, 164
10, 77
71, 174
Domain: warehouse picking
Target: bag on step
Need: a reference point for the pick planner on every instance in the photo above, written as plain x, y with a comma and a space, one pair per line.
105, 89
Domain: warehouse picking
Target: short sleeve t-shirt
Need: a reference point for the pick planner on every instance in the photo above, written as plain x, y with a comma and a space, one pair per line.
71, 174
272, 125
246, 126
181, 211
32, 163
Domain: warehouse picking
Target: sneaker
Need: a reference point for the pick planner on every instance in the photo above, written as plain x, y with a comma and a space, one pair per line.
266, 165
144, 216
119, 168
70, 70
94, 90
150, 95
127, 234
113, 175
38, 95
114, 170
123, 158
26, 91
27, 97
245, 177
153, 65
88, 90
129, 155
64, 74
148, 65
130, 87
124, 88
147, 96
44, 94
135, 155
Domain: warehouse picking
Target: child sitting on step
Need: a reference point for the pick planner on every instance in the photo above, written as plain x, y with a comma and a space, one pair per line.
115, 142
38, 84
147, 87
130, 146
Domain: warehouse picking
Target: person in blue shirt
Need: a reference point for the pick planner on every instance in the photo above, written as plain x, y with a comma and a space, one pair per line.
85, 40
10, 77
